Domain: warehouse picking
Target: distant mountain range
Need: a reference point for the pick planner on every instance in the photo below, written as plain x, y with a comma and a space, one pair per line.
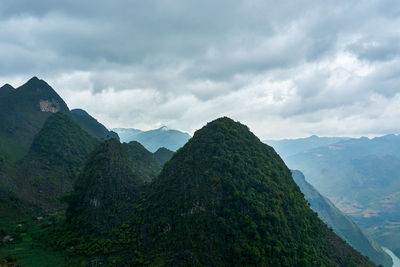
154, 139
289, 147
361, 176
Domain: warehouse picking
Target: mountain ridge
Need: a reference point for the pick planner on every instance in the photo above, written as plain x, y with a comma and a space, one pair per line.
23, 113
91, 125
154, 139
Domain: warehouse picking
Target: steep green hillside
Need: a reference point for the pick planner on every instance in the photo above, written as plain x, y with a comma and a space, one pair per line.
144, 163
105, 192
12, 208
91, 125
55, 157
23, 113
340, 223
225, 198
163, 155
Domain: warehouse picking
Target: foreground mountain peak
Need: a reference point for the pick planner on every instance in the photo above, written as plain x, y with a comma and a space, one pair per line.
226, 198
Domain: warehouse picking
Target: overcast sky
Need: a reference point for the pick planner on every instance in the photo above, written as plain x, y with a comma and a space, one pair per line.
284, 68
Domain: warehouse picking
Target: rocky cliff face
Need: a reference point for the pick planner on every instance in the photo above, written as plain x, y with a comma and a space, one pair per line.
52, 106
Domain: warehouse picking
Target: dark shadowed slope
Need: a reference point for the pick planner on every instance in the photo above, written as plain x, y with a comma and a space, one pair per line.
23, 113
105, 191
91, 125
54, 159
6, 90
163, 155
144, 163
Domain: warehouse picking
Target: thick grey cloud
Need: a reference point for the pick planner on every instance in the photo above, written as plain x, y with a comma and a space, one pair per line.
286, 68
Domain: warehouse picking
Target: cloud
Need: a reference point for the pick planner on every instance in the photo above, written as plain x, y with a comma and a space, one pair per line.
286, 68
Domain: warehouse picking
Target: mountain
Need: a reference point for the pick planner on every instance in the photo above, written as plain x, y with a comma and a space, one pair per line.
6, 90
227, 199
144, 163
30, 188
23, 112
12, 207
54, 159
340, 223
154, 139
127, 134
104, 192
163, 155
91, 125
289, 147
361, 177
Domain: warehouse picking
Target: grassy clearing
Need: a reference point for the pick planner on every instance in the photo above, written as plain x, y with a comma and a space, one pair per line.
24, 252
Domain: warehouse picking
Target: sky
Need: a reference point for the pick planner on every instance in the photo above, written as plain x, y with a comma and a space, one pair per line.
286, 69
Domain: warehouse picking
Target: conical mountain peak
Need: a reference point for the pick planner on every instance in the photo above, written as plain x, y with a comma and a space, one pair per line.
58, 133
227, 199
105, 189
35, 83
23, 113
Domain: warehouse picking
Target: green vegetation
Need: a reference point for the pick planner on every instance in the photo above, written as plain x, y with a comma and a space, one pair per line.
227, 199
163, 155
105, 191
144, 163
101, 209
55, 157
21, 116
24, 251
224, 199
62, 143
91, 125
